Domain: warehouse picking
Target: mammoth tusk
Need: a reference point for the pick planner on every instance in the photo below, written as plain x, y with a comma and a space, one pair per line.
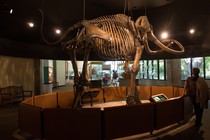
172, 41
166, 48
147, 48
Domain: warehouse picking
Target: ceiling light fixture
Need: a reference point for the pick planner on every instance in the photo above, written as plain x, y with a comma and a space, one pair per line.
164, 35
31, 24
11, 11
192, 31
57, 31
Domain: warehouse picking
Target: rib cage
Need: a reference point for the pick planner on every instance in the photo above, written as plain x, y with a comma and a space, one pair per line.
122, 43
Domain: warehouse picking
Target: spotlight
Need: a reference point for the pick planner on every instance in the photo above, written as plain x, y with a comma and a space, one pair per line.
11, 11
164, 35
192, 31
31, 24
57, 31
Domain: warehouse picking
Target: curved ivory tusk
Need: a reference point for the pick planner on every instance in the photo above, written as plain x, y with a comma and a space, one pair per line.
147, 48
172, 41
166, 48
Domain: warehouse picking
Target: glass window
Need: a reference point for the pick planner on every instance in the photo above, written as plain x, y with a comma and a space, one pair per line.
188, 63
96, 71
145, 69
198, 62
150, 69
161, 70
185, 68
120, 69
141, 70
207, 67
155, 69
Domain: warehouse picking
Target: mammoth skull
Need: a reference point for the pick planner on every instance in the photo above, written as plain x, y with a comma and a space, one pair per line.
146, 32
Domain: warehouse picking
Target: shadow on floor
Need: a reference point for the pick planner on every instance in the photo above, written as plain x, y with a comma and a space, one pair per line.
192, 133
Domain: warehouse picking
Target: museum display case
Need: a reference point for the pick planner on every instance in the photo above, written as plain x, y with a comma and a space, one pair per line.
95, 70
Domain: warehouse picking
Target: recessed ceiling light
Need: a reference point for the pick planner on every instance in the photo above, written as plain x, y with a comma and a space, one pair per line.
164, 35
57, 31
192, 31
11, 11
31, 24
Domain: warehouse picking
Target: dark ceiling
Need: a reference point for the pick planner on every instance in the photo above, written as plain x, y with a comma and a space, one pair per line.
175, 16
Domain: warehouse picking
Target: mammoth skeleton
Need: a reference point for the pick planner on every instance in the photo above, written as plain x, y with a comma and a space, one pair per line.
114, 37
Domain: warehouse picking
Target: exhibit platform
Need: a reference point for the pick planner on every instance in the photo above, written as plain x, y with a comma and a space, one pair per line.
110, 104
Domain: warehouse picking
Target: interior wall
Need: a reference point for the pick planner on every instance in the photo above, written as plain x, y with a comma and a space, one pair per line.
175, 71
60, 72
17, 71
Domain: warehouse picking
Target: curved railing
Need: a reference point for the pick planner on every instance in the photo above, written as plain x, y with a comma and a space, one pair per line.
50, 116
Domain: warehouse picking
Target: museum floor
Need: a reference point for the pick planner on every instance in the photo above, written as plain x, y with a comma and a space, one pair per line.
9, 127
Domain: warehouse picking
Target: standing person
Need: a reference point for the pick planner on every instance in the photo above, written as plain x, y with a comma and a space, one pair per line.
105, 79
114, 77
197, 89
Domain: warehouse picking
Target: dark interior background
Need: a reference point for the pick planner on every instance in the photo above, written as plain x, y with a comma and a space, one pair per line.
176, 16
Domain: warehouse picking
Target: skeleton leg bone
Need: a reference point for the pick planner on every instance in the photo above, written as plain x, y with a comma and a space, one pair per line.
133, 98
80, 81
72, 55
83, 80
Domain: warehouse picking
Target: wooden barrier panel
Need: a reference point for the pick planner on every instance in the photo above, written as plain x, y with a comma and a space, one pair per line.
144, 92
166, 90
61, 99
65, 98
124, 121
92, 123
30, 119
41, 116
46, 100
178, 91
115, 93
28, 101
74, 124
168, 112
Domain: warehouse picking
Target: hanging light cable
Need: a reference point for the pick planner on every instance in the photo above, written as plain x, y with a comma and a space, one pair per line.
145, 7
128, 7
125, 5
84, 4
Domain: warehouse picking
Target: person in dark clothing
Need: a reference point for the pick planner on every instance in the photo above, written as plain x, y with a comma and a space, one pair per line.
197, 89
106, 79
114, 77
